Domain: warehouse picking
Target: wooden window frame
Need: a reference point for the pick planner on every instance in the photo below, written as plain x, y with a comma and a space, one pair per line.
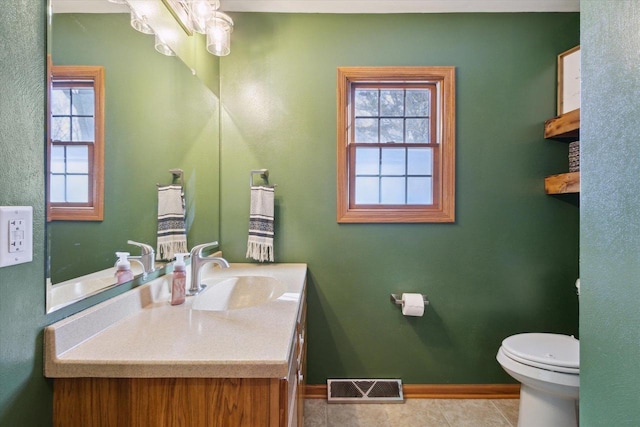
443, 207
94, 209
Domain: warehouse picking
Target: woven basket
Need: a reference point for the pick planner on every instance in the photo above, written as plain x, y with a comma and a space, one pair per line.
574, 156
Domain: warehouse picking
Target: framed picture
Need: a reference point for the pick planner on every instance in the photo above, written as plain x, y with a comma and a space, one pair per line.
569, 80
179, 11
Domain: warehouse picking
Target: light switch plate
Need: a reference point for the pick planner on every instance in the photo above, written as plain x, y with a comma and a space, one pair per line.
16, 235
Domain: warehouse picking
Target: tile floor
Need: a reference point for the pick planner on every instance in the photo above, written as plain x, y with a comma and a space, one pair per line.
414, 413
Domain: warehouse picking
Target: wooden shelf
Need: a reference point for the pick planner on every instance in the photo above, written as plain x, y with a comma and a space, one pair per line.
565, 127
562, 183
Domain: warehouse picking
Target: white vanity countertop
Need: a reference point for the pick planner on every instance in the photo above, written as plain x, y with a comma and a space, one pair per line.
138, 334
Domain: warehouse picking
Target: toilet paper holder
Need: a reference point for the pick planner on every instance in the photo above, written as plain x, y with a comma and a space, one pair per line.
397, 299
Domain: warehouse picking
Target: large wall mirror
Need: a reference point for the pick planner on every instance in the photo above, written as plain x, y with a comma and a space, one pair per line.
159, 116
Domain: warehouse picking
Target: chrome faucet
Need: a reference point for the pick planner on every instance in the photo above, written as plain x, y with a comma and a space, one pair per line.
146, 259
197, 262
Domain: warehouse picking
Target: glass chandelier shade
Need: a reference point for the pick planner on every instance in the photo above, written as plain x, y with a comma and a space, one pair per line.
163, 48
219, 29
200, 12
139, 23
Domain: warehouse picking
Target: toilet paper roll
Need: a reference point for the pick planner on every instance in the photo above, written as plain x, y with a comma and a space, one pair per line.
412, 304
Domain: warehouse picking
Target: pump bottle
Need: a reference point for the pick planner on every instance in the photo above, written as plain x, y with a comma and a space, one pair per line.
179, 281
123, 268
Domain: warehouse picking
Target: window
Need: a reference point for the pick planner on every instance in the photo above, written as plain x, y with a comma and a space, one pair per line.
75, 149
396, 144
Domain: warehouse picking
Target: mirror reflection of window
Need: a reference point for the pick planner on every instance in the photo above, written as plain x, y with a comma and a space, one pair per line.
72, 133
76, 143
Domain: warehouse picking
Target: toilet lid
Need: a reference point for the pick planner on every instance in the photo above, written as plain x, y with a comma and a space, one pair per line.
551, 350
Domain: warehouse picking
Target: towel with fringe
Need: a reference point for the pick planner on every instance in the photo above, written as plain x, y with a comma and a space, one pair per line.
172, 234
260, 242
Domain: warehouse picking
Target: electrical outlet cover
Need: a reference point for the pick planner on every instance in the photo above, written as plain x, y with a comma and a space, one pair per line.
16, 235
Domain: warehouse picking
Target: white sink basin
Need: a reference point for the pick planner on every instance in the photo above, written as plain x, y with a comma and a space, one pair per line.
238, 292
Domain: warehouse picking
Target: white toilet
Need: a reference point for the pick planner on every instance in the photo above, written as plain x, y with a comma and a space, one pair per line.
548, 367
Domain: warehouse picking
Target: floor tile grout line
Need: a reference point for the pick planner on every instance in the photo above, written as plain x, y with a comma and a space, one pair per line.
501, 413
444, 417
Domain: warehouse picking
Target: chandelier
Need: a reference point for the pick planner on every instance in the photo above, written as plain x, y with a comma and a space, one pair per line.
199, 16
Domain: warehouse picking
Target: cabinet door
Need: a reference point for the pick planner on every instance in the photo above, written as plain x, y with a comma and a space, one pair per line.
291, 406
211, 402
302, 362
295, 381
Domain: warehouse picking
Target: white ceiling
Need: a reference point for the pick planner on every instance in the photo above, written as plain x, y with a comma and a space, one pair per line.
348, 6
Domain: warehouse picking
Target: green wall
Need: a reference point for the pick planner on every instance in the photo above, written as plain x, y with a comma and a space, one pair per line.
25, 397
609, 220
158, 116
507, 265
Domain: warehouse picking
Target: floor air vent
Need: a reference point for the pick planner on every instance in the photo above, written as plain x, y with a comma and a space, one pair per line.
364, 391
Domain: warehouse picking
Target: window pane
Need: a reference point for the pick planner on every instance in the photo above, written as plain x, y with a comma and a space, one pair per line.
78, 159
83, 102
61, 129
60, 102
392, 102
420, 191
366, 102
393, 161
366, 191
57, 159
420, 161
77, 188
366, 130
391, 130
417, 130
418, 102
392, 191
367, 161
83, 129
56, 188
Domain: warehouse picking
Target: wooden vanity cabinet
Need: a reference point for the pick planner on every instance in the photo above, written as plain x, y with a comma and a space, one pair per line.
193, 402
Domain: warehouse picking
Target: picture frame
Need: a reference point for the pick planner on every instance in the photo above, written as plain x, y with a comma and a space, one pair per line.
569, 80
180, 13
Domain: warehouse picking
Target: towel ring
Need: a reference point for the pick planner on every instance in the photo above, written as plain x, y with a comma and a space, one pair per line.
264, 174
177, 174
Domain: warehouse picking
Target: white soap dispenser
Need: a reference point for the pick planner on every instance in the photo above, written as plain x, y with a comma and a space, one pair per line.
123, 268
179, 280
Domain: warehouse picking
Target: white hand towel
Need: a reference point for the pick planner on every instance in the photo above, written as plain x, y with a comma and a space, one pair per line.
260, 242
172, 235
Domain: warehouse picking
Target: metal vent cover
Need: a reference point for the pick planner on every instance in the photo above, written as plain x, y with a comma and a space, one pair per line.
364, 391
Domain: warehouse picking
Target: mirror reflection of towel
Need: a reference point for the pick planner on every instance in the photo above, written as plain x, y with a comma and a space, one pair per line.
172, 234
260, 241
